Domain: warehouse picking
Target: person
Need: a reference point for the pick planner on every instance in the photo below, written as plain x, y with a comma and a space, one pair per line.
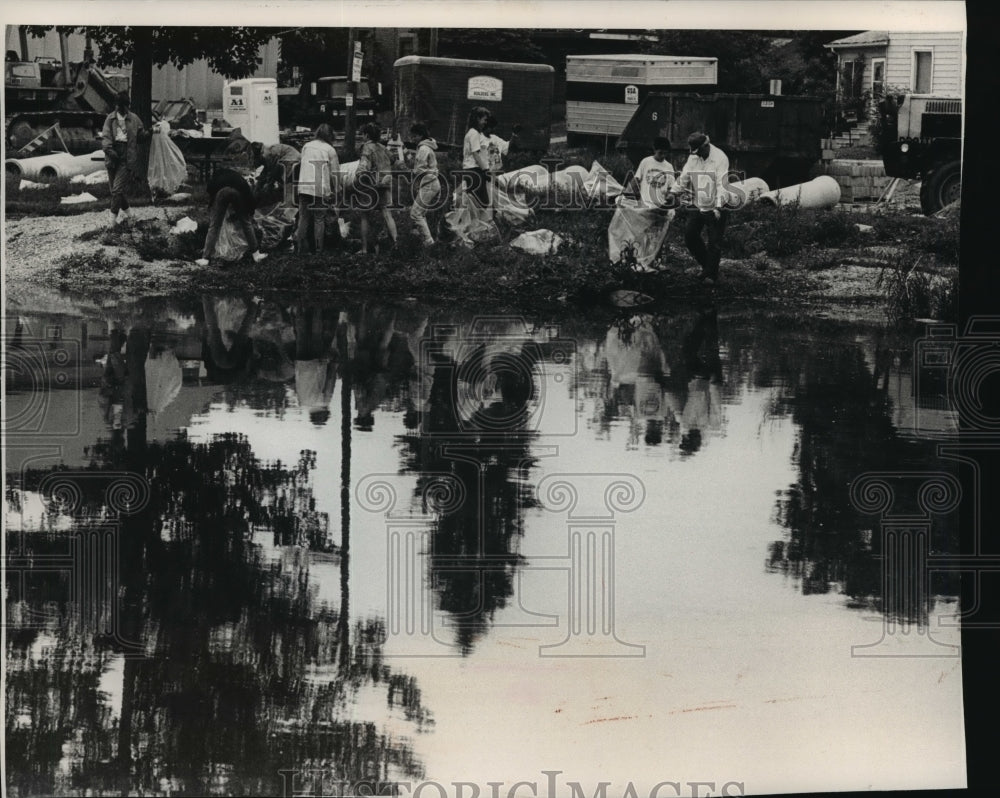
374, 160
278, 164
426, 186
705, 176
654, 175
229, 191
496, 147
475, 159
318, 175
120, 141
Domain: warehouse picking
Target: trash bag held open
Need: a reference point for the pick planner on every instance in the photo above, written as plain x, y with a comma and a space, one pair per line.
231, 244
167, 168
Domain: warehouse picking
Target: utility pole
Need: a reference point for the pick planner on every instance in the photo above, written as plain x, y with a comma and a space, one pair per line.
350, 121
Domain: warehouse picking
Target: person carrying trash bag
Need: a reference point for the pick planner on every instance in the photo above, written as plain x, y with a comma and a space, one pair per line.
229, 193
426, 185
120, 138
705, 176
279, 165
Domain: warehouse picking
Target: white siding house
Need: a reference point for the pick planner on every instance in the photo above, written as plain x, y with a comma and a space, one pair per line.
911, 62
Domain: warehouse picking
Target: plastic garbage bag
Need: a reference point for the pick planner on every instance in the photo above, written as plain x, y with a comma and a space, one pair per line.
167, 168
638, 232
512, 209
469, 225
184, 225
599, 183
31, 184
163, 380
182, 196
538, 242
76, 199
275, 225
232, 244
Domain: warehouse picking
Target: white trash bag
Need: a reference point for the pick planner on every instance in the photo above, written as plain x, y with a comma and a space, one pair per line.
167, 168
538, 242
642, 229
184, 225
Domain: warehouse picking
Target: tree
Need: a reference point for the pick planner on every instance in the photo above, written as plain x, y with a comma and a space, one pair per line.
232, 52
512, 45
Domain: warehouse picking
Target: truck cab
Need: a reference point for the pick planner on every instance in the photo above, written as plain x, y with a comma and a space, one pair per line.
921, 137
325, 100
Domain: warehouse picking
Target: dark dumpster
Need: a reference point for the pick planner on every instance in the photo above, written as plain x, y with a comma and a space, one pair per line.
774, 137
441, 91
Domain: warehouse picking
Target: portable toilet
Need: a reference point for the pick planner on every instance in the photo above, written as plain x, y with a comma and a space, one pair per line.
251, 104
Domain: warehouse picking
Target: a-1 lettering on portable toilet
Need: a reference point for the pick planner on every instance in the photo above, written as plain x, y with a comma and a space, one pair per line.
251, 104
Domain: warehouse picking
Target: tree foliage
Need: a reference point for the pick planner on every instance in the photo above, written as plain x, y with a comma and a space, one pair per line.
512, 44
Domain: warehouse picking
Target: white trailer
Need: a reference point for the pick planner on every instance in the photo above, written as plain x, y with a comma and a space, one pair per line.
603, 91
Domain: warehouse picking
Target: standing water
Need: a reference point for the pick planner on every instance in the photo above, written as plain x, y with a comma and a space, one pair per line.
332, 548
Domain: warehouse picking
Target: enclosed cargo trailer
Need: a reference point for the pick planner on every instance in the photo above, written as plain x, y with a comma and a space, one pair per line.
771, 136
603, 91
441, 92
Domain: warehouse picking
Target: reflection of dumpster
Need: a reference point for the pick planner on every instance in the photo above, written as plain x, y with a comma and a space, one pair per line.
774, 137
441, 91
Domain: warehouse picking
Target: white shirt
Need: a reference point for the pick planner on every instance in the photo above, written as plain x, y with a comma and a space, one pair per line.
474, 142
121, 132
319, 162
654, 178
707, 178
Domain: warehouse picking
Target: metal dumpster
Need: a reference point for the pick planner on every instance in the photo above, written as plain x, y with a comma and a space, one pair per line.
441, 91
771, 136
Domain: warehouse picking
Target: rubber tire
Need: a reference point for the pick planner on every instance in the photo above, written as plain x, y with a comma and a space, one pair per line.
941, 187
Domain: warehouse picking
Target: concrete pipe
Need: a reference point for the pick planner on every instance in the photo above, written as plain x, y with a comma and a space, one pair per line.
69, 168
749, 190
820, 192
30, 168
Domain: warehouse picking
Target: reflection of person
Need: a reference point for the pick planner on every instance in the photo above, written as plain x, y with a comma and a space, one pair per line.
654, 175
229, 194
703, 408
317, 173
316, 360
120, 142
426, 186
114, 391
705, 176
226, 345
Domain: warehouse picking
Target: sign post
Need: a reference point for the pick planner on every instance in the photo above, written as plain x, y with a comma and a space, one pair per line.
354, 57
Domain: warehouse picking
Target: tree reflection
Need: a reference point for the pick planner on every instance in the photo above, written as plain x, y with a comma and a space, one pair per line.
246, 672
473, 423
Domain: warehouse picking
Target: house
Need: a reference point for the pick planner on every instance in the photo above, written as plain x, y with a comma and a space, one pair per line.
911, 62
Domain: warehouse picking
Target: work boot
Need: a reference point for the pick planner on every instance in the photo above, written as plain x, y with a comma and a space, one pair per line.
110, 219
122, 217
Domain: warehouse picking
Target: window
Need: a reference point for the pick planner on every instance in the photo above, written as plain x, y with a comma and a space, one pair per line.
922, 65
878, 77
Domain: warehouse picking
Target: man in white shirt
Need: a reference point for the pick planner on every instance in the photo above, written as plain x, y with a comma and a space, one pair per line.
705, 176
655, 175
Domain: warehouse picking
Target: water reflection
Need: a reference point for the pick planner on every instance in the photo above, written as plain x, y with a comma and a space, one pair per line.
225, 660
